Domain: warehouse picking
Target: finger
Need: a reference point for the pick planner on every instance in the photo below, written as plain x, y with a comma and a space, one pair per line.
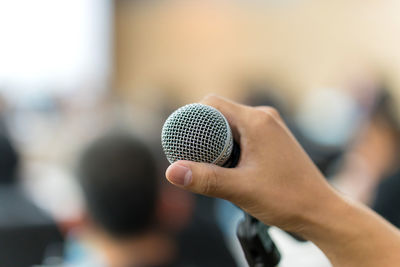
233, 112
274, 113
203, 178
271, 111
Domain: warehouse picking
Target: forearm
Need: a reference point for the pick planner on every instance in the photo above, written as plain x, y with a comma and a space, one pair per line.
351, 234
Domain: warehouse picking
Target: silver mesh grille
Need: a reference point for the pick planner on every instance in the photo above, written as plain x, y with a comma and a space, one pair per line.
197, 132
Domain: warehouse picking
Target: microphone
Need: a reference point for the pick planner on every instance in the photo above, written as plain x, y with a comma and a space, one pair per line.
200, 133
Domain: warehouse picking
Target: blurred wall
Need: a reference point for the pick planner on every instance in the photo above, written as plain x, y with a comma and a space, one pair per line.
185, 49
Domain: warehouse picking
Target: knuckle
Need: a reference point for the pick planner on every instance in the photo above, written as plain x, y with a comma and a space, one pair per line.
274, 112
270, 110
210, 186
263, 118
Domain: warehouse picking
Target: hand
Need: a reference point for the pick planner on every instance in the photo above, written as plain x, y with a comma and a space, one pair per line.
274, 180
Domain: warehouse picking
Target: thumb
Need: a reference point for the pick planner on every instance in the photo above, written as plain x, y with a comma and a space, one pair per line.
203, 178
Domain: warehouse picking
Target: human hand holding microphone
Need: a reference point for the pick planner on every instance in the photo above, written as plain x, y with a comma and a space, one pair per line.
276, 182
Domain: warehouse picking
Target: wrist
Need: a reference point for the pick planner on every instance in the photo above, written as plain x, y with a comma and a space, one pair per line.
327, 217
351, 234
321, 217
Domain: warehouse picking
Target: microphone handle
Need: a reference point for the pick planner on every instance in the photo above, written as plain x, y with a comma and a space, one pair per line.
257, 245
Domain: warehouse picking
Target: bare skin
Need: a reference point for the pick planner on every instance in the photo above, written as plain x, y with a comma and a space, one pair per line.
276, 182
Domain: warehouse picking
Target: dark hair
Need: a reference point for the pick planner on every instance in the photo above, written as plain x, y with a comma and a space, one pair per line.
8, 161
119, 179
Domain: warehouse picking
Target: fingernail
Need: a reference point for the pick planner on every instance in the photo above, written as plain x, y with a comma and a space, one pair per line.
179, 174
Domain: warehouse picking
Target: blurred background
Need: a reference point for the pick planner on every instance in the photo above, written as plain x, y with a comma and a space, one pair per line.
72, 71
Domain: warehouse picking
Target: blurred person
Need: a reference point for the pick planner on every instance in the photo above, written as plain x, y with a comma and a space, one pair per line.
28, 236
370, 169
276, 182
119, 180
133, 219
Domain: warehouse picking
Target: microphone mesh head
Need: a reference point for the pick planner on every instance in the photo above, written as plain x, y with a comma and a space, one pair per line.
197, 132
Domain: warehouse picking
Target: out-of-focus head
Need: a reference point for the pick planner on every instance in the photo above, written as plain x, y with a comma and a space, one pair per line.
119, 180
8, 160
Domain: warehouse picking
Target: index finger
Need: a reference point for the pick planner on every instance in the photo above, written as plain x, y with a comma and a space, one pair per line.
234, 113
